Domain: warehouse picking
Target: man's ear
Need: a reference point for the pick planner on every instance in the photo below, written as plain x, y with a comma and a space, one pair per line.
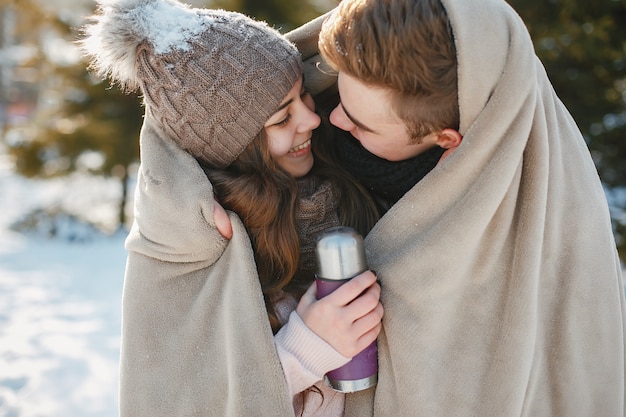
448, 139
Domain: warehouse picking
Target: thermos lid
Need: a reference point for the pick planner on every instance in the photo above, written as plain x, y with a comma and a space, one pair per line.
340, 254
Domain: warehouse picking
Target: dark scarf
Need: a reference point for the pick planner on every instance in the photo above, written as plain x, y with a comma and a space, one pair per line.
387, 181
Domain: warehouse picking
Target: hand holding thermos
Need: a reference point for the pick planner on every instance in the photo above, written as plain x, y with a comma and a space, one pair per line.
348, 312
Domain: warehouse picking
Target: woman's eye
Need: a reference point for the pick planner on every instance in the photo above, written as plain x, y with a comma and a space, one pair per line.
284, 121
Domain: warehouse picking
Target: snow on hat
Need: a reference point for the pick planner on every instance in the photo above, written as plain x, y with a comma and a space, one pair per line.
210, 78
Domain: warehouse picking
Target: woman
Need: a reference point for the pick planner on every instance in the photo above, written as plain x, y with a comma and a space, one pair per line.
283, 210
223, 95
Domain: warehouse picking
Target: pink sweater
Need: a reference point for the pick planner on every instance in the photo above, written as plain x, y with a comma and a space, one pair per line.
305, 358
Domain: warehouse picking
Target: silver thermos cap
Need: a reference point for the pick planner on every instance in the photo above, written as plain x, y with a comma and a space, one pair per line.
340, 254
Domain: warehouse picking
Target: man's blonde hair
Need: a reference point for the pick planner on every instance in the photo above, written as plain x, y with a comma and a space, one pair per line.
404, 46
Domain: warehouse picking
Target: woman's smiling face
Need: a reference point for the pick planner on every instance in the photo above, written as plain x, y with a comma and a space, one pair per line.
289, 131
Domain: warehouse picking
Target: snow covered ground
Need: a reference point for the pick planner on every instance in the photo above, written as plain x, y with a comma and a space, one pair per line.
59, 303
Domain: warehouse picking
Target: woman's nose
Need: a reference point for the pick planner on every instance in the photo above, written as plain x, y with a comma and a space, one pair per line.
309, 120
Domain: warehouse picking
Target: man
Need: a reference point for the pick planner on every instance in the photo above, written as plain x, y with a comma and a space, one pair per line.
501, 282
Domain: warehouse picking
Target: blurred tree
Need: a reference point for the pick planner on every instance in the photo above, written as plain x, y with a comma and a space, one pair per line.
17, 56
95, 129
81, 123
284, 15
582, 44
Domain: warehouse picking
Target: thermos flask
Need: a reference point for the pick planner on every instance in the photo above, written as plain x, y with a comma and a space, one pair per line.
340, 257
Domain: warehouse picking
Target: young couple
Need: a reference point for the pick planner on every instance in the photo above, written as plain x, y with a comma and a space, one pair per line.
502, 290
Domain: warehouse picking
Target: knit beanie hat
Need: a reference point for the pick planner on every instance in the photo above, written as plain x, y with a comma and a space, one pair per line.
210, 78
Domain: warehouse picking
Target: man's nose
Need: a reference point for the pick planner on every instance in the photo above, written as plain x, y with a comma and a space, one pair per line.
339, 119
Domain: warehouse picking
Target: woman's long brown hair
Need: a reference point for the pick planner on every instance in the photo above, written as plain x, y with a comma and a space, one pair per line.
265, 197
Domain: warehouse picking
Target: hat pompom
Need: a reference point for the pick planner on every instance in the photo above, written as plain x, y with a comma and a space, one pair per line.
120, 26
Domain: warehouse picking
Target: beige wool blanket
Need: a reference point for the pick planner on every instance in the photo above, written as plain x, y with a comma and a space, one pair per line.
501, 284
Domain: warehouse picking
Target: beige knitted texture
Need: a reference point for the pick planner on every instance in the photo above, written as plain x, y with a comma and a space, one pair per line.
317, 212
214, 98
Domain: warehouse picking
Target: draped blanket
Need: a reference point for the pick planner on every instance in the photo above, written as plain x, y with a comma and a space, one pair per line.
501, 284
196, 340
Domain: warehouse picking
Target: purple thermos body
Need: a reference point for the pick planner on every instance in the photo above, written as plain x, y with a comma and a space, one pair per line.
340, 257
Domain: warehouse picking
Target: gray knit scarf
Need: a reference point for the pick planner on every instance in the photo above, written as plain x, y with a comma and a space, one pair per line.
316, 212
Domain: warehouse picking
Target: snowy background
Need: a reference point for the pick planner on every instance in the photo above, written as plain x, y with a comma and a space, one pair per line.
60, 299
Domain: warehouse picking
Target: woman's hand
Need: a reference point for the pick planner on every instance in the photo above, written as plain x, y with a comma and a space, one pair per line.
222, 221
349, 318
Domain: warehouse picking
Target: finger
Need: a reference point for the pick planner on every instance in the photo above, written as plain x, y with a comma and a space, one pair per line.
365, 302
222, 221
352, 289
369, 321
311, 293
369, 337
308, 298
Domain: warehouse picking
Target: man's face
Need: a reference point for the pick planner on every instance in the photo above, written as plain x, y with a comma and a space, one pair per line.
366, 113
